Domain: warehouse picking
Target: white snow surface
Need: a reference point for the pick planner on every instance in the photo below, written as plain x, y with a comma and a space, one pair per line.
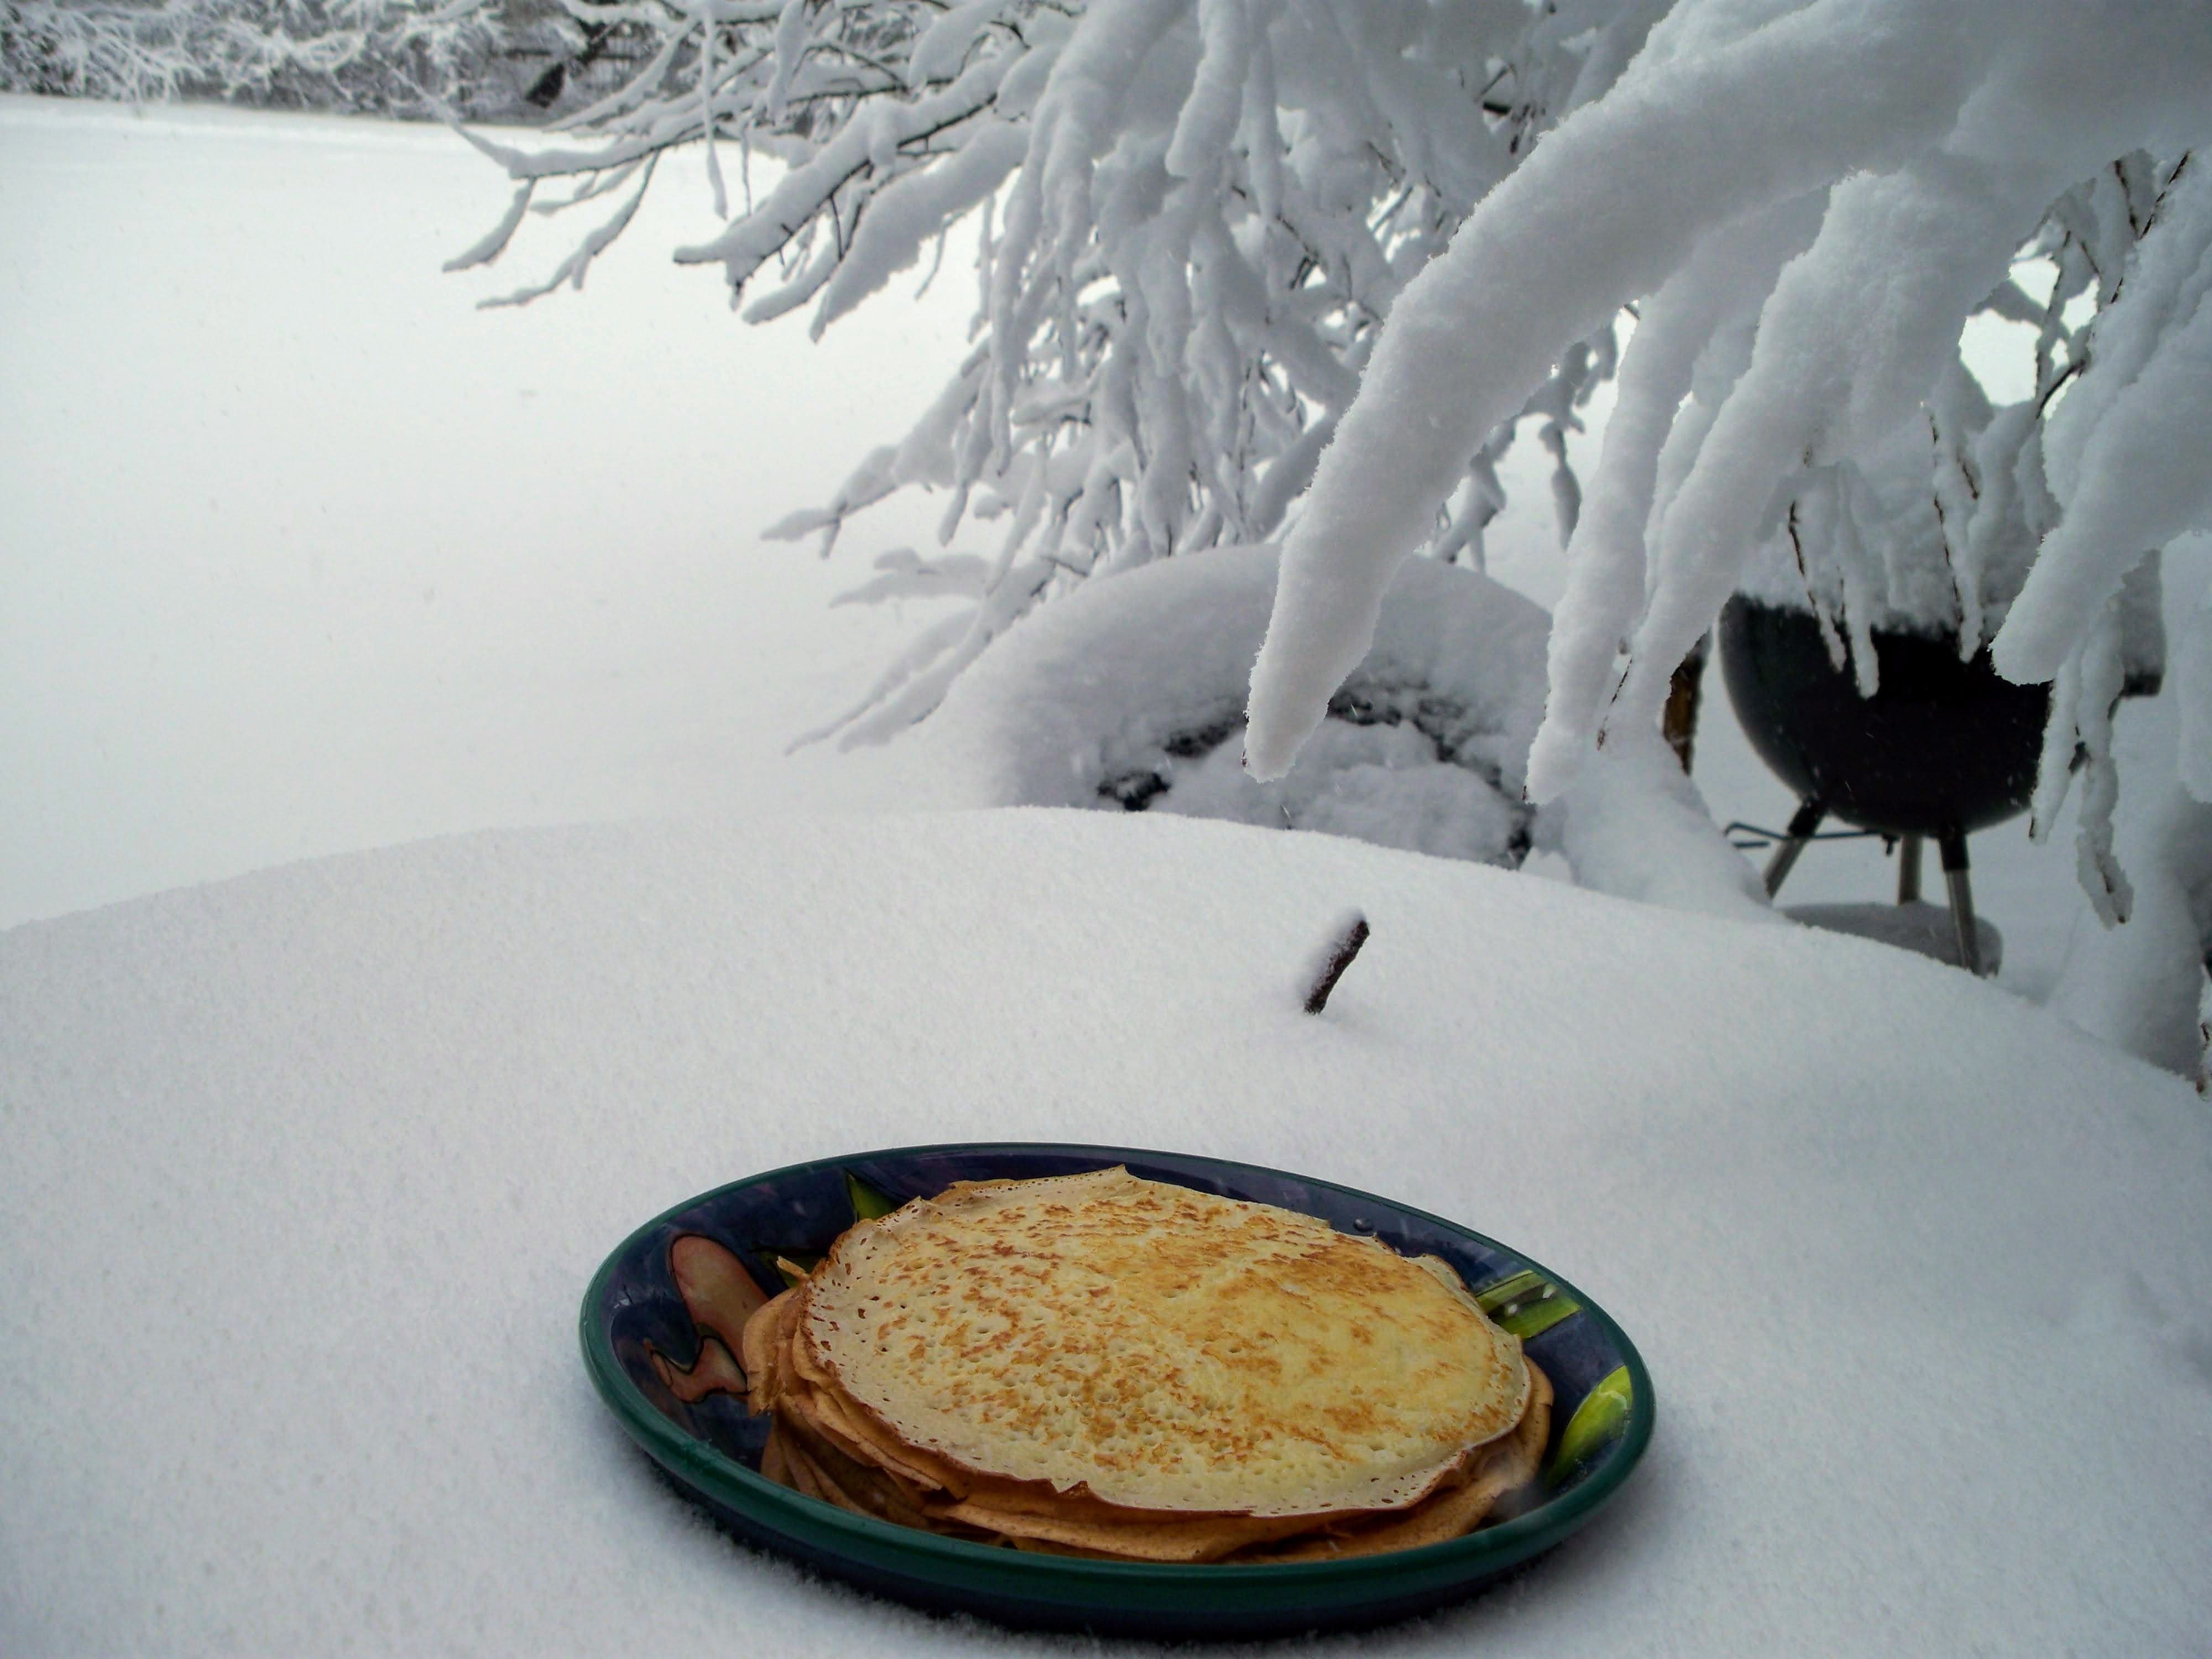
308, 1171
304, 553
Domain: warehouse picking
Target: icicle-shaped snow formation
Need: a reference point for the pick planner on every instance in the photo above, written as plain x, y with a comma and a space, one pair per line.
1723, 282
1197, 213
1945, 134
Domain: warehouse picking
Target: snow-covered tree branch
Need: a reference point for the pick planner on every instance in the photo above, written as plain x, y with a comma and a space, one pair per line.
1810, 279
1195, 216
1258, 267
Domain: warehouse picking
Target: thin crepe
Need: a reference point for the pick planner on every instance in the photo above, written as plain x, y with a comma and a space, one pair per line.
1323, 1397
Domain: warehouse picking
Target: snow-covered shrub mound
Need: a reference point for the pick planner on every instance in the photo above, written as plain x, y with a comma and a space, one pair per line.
1129, 695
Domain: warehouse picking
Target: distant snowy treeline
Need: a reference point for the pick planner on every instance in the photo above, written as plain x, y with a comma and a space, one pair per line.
508, 60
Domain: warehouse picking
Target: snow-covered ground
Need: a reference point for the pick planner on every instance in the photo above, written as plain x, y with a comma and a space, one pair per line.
305, 1171
305, 553
308, 1171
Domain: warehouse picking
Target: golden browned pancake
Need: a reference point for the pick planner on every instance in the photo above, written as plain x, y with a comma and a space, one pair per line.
1505, 1466
833, 1448
1107, 1365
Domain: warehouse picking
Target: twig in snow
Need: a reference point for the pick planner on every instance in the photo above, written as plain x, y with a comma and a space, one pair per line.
1344, 942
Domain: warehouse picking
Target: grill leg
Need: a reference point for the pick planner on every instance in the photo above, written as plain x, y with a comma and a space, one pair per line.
1809, 814
1962, 901
1908, 869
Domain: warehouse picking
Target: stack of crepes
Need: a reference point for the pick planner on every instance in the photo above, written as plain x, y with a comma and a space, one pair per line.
1097, 1364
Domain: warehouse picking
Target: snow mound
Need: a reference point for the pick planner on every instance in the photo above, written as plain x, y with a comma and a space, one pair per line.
1634, 825
1128, 693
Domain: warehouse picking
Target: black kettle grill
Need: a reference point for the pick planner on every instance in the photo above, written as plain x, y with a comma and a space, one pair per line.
1944, 748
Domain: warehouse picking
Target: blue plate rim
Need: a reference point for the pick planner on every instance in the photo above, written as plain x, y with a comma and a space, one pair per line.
1488, 1549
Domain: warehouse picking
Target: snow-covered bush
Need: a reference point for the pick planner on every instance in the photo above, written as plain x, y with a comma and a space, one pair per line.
1130, 695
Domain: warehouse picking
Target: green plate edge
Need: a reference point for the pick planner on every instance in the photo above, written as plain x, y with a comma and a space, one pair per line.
1318, 1587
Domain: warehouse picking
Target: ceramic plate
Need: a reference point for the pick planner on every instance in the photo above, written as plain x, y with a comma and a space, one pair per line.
659, 1325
